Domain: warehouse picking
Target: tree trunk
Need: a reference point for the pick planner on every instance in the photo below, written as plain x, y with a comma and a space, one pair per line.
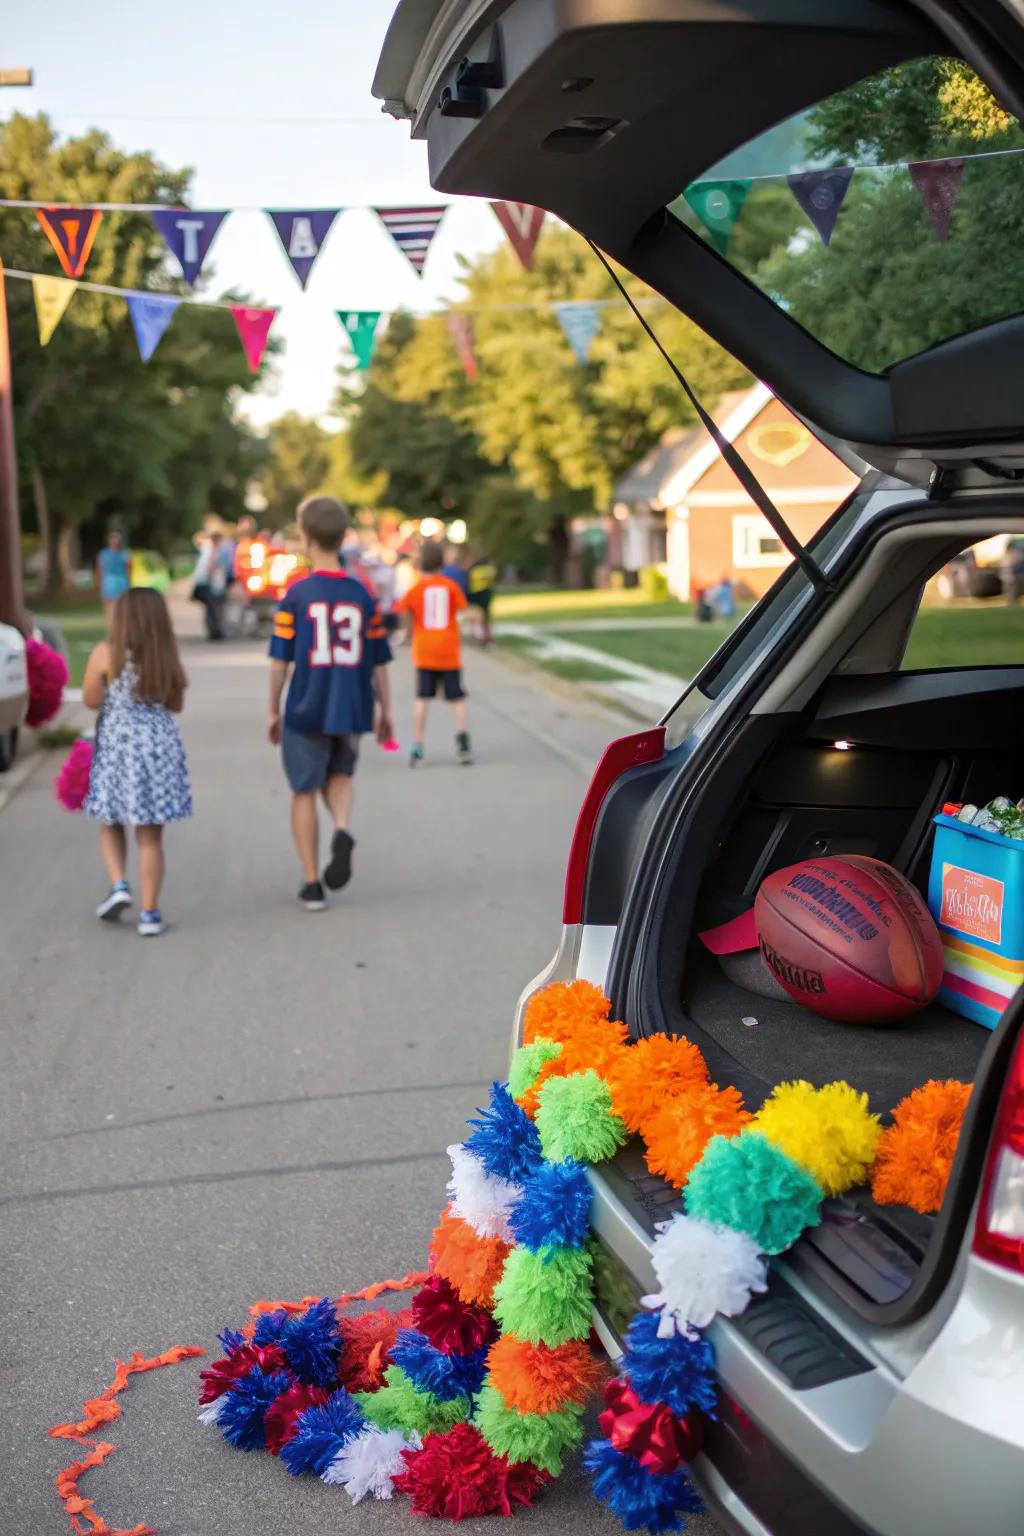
51, 572
65, 562
558, 551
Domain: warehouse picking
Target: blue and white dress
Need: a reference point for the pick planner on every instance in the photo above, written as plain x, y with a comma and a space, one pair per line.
139, 775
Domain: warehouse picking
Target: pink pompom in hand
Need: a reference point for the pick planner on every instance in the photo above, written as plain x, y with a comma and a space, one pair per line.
47, 676
72, 783
391, 745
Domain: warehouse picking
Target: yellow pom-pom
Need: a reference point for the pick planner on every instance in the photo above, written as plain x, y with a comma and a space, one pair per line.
676, 1135
915, 1154
644, 1077
829, 1131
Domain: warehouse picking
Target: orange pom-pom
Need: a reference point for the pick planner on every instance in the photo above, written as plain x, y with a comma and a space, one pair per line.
471, 1264
916, 1152
651, 1072
557, 1011
592, 1043
676, 1135
534, 1378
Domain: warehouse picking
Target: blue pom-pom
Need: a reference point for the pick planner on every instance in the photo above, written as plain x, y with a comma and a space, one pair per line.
554, 1208
678, 1370
446, 1376
505, 1140
244, 1406
655, 1501
230, 1341
320, 1433
312, 1344
268, 1328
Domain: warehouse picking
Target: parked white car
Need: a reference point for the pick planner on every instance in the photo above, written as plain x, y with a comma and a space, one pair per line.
13, 692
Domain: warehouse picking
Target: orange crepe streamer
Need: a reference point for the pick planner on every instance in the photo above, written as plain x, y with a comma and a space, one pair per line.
915, 1154
368, 1293
471, 1264
103, 1410
536, 1378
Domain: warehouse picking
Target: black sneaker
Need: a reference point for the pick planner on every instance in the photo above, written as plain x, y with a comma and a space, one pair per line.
312, 896
339, 871
463, 750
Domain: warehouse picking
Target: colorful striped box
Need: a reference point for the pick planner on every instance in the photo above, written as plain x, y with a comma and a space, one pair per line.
976, 895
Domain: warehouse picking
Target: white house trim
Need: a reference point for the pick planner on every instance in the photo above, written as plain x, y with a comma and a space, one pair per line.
738, 420
804, 496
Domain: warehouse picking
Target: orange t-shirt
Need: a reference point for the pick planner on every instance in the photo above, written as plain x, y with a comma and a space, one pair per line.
434, 603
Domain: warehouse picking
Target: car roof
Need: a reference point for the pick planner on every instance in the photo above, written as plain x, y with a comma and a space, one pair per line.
603, 111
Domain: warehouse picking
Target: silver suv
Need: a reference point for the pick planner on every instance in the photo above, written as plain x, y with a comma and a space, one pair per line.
877, 1388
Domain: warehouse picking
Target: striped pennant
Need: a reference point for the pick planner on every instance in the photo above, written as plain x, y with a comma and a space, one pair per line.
412, 230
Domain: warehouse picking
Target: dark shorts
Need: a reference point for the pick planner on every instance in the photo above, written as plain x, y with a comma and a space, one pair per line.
309, 761
481, 599
429, 683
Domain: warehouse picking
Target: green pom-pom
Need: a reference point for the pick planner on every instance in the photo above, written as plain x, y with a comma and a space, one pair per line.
748, 1184
575, 1119
542, 1438
545, 1296
527, 1062
401, 1405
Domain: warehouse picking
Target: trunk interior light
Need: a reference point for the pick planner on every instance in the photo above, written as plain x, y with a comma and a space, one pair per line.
999, 1235
842, 746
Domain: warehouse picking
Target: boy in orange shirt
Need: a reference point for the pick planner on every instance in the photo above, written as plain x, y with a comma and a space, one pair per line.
433, 606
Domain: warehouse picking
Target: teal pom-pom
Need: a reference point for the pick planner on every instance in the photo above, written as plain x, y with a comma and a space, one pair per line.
540, 1438
748, 1184
575, 1119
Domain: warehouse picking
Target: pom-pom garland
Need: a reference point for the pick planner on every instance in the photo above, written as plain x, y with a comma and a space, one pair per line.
472, 1265
556, 1011
829, 1131
365, 1342
575, 1119
553, 1209
451, 1324
505, 1138
72, 782
311, 1343
320, 1433
370, 1462
748, 1184
536, 1378
526, 1064
703, 1270
678, 1371
545, 1297
431, 1370
540, 1438
401, 1405
915, 1154
243, 1408
675, 1135
479, 1197
281, 1420
650, 1074
642, 1500
456, 1476
239, 1359
47, 678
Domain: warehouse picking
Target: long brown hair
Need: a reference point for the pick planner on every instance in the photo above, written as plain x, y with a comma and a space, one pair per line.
141, 628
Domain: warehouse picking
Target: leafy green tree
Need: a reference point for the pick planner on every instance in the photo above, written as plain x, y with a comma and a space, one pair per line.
297, 463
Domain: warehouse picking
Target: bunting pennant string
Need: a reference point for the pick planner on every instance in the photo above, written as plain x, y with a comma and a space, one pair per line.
522, 224
460, 329
71, 232
938, 183
150, 314
412, 230
302, 234
188, 233
361, 329
820, 194
718, 204
579, 322
253, 329
52, 296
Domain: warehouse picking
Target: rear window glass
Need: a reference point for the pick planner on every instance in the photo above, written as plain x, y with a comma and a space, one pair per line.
972, 611
885, 219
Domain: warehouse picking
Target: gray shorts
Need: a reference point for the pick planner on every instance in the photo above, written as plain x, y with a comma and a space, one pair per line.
309, 761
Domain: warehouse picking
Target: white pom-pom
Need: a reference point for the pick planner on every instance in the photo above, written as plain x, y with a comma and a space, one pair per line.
480, 1198
703, 1269
211, 1413
370, 1462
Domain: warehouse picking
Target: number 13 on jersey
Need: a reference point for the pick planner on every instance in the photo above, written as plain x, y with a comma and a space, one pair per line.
337, 634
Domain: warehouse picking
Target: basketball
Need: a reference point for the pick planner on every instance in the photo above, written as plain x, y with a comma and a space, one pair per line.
850, 938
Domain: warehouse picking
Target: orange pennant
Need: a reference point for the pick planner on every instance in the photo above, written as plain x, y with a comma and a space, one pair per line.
71, 232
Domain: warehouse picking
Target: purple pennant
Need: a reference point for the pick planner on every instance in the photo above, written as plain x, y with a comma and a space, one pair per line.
938, 182
302, 233
820, 195
189, 234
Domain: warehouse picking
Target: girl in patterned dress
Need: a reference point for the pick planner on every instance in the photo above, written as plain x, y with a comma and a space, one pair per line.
139, 776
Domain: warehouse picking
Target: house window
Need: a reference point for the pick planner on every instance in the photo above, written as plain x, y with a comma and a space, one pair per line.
755, 543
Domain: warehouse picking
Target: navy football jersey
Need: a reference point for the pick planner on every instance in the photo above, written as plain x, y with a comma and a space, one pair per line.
329, 627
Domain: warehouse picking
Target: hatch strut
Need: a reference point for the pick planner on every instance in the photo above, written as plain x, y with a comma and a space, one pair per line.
744, 474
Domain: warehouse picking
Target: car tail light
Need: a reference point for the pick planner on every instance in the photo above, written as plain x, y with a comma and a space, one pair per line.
999, 1234
619, 757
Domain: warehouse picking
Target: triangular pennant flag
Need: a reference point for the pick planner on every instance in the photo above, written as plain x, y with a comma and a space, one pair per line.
52, 296
521, 222
938, 182
71, 232
460, 329
412, 230
361, 325
150, 316
302, 235
189, 234
579, 322
254, 328
718, 205
820, 195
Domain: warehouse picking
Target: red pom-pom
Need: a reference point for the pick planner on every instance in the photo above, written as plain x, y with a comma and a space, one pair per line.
72, 782
456, 1476
279, 1422
47, 675
365, 1344
217, 1378
455, 1326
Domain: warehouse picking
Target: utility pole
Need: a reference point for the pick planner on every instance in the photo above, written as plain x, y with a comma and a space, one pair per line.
12, 597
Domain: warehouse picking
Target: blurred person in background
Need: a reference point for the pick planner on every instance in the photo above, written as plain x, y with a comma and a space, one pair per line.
113, 572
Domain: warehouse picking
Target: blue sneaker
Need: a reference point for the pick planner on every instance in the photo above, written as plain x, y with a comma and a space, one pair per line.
150, 923
113, 904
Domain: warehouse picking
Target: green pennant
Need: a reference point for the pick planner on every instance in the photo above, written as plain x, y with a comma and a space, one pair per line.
718, 205
361, 327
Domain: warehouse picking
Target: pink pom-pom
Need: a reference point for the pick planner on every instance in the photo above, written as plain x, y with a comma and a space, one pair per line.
457, 1476
451, 1324
72, 783
391, 745
47, 675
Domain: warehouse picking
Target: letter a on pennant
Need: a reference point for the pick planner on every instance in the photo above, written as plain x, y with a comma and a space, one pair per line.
71, 232
189, 234
253, 328
302, 235
52, 296
521, 222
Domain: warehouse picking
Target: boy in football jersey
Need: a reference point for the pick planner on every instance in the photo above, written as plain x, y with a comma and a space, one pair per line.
433, 606
328, 632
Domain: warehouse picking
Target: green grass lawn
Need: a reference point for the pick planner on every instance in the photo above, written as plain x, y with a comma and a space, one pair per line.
556, 606
82, 623
680, 652
978, 635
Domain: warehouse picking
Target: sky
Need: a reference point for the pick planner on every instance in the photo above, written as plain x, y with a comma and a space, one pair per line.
270, 104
